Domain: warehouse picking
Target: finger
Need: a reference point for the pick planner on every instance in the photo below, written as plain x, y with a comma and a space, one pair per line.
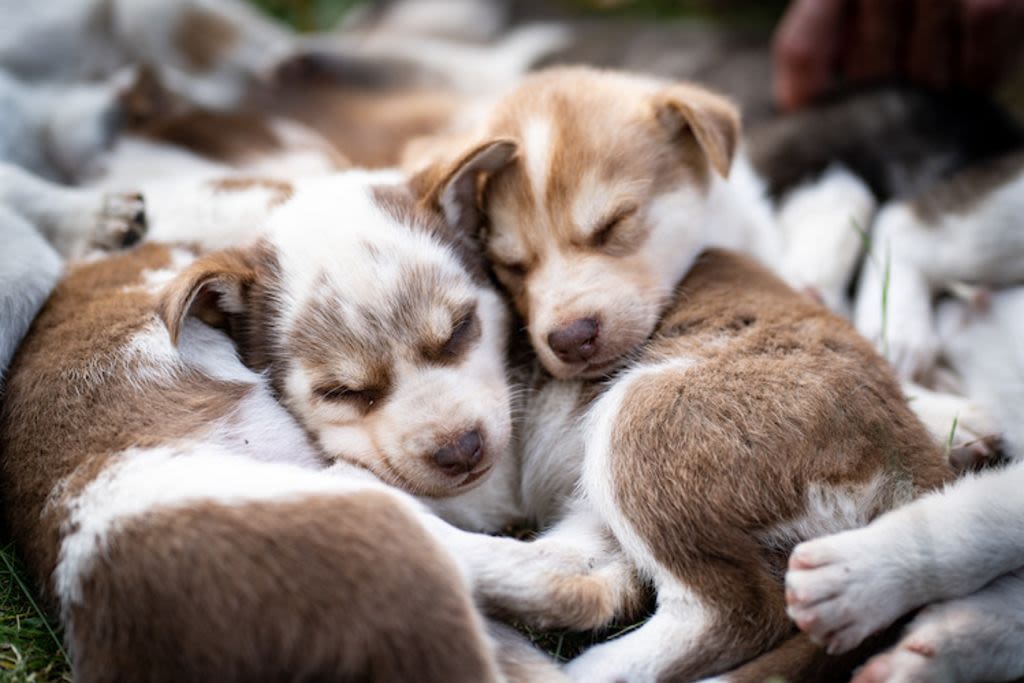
806, 50
934, 42
877, 49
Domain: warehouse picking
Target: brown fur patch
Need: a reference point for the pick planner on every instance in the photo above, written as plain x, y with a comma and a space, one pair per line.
371, 126
344, 588
280, 190
707, 461
230, 137
70, 405
203, 37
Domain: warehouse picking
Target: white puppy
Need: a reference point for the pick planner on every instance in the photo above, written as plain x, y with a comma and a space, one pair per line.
964, 230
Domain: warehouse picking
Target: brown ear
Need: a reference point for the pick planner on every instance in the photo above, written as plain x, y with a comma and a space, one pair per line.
453, 188
214, 289
713, 120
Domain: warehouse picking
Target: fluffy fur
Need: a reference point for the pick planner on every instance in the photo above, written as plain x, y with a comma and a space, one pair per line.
956, 552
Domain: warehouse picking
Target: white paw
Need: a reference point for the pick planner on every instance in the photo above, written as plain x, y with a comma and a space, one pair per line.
911, 352
950, 415
840, 589
120, 223
898, 666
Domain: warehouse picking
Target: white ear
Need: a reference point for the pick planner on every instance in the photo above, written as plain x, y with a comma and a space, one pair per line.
458, 193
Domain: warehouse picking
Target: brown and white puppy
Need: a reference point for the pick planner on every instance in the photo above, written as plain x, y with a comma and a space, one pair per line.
596, 190
751, 420
144, 461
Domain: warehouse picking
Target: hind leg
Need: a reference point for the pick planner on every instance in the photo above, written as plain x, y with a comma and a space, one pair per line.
979, 637
718, 604
73, 220
732, 613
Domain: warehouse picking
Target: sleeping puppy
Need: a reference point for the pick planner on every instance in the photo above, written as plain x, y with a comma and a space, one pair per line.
752, 420
589, 232
957, 553
151, 450
598, 191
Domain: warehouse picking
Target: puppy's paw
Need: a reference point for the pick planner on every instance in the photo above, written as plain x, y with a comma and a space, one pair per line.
581, 603
905, 664
978, 454
912, 351
840, 589
120, 223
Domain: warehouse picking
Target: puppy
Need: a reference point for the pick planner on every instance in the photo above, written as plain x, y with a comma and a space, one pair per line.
115, 138
143, 460
956, 552
212, 52
752, 420
599, 189
963, 230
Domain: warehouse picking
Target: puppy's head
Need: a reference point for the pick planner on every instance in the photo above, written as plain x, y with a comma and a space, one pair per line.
379, 334
590, 192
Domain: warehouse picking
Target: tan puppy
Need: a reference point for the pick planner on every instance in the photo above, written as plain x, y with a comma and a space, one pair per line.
753, 419
599, 190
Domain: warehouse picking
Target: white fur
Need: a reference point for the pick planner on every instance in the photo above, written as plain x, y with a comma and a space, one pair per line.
829, 510
537, 153
946, 545
982, 245
984, 348
29, 268
820, 223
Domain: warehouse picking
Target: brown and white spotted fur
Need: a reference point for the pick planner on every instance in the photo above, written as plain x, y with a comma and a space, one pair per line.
151, 450
957, 553
752, 420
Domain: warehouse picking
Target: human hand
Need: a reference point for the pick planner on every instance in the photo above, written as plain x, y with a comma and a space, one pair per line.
937, 43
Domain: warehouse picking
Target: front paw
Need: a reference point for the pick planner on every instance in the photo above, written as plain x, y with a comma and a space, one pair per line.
121, 222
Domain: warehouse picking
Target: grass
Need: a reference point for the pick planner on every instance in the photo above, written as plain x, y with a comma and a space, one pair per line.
30, 647
952, 434
886, 268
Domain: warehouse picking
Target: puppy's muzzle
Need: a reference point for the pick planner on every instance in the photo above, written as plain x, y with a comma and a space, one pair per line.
461, 455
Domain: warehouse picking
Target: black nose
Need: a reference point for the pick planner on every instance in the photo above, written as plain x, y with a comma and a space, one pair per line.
577, 341
462, 455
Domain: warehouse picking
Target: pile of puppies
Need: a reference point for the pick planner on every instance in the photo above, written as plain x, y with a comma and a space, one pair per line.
273, 440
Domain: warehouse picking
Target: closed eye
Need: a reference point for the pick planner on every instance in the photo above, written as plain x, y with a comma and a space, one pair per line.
463, 332
512, 270
337, 393
606, 231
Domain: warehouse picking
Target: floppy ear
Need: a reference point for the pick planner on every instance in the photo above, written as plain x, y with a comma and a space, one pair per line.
214, 289
454, 188
713, 120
